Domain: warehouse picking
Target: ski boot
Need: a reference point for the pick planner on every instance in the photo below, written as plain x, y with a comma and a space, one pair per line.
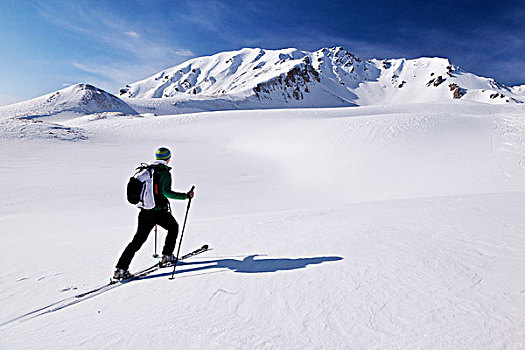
120, 275
167, 260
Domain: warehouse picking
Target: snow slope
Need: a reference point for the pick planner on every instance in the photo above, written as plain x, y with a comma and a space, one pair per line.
257, 78
43, 117
73, 101
346, 228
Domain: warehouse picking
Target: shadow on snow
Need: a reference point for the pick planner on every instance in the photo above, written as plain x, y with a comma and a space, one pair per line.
248, 265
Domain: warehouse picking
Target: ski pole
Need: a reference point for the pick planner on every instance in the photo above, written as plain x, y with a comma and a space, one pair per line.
182, 235
155, 255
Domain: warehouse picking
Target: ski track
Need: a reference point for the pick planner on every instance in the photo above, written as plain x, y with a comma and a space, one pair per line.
67, 302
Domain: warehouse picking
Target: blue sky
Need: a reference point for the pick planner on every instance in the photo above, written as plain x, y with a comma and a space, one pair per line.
46, 45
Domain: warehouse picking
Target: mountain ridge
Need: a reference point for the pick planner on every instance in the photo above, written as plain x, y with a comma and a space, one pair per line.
277, 77
255, 78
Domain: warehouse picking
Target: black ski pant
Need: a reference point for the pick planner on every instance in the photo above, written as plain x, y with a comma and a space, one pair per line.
147, 220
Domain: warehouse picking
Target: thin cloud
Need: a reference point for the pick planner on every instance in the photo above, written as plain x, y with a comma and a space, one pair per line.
131, 56
116, 75
132, 34
183, 53
109, 29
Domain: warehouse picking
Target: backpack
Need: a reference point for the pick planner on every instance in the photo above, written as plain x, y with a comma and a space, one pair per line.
140, 187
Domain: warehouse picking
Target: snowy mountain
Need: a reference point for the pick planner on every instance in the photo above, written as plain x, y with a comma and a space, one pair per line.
46, 117
255, 78
75, 100
258, 79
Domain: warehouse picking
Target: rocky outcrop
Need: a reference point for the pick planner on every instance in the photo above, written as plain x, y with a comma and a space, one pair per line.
95, 99
457, 92
291, 85
436, 81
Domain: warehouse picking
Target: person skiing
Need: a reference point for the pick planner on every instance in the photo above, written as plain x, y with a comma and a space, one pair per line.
159, 215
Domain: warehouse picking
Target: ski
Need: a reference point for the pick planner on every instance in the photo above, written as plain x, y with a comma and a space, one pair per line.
144, 272
96, 291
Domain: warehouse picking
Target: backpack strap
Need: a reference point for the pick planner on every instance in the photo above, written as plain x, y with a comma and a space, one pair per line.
144, 166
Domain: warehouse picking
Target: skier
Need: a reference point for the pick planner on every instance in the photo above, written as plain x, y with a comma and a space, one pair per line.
159, 215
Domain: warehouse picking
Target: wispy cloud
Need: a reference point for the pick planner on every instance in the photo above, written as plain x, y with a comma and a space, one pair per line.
183, 53
132, 34
111, 73
132, 54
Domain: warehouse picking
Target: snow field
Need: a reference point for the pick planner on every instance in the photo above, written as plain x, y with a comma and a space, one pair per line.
375, 227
